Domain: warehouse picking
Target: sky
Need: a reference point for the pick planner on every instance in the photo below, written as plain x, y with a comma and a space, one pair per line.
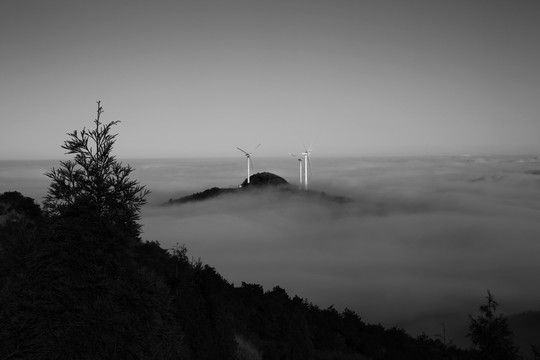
199, 78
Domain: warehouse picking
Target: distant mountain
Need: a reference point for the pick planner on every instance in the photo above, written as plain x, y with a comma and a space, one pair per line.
259, 181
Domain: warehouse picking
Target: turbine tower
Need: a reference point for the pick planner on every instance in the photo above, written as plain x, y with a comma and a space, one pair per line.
248, 156
299, 158
307, 163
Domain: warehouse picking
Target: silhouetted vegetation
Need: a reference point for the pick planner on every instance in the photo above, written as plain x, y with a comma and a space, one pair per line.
77, 282
95, 181
73, 288
14, 206
264, 179
491, 334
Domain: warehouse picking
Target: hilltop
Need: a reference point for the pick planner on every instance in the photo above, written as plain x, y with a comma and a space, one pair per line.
258, 182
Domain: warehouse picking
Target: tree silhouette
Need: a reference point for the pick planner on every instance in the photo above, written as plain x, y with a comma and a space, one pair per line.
77, 287
491, 334
95, 181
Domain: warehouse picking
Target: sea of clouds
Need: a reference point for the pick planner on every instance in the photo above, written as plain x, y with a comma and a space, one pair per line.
419, 244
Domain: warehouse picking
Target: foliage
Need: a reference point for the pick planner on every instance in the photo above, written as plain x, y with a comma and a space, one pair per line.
20, 220
491, 334
75, 302
246, 350
95, 181
15, 202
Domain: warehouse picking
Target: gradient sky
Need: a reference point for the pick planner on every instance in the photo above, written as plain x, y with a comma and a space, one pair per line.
198, 78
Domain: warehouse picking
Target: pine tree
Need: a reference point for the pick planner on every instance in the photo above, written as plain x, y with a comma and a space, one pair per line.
491, 334
95, 181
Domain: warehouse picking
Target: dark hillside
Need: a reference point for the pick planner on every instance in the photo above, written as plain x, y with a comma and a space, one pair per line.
264, 179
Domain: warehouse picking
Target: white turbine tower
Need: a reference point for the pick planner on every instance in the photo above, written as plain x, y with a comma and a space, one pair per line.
307, 163
299, 166
248, 156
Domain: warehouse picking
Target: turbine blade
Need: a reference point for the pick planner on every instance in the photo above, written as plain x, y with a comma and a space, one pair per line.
309, 165
256, 147
245, 152
310, 149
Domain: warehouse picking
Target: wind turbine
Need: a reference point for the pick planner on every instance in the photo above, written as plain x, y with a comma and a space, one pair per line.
307, 163
300, 167
248, 156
